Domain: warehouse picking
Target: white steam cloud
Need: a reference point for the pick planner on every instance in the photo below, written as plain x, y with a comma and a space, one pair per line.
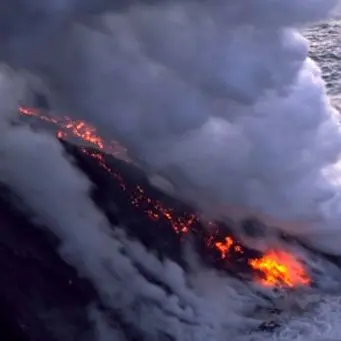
34, 166
219, 97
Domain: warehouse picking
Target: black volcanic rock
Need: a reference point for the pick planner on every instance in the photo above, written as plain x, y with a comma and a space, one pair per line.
43, 299
123, 192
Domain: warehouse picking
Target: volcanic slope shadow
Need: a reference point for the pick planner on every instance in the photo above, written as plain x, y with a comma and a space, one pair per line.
159, 221
42, 297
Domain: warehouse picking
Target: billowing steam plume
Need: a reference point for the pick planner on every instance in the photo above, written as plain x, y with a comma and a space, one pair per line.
219, 97
180, 308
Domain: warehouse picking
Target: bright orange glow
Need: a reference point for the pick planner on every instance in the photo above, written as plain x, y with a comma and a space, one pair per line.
78, 129
274, 268
154, 209
279, 268
224, 247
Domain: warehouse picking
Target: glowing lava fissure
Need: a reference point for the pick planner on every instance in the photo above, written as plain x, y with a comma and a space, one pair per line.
80, 130
275, 268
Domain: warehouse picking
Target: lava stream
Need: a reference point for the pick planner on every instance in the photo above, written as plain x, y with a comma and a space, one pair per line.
274, 268
279, 268
78, 129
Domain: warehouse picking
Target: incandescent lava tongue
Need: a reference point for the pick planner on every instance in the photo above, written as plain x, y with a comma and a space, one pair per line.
274, 268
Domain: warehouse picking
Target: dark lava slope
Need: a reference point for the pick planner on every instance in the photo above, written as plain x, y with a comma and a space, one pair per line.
42, 298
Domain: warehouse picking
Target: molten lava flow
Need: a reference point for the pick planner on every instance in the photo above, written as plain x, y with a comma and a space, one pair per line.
279, 268
274, 268
154, 209
79, 130
224, 247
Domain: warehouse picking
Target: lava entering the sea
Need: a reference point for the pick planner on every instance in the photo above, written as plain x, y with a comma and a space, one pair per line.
275, 268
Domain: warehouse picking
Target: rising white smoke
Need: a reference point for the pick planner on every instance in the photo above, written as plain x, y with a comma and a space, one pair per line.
219, 97
175, 305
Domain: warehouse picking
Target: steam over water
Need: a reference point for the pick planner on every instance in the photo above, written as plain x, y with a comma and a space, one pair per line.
221, 98
218, 96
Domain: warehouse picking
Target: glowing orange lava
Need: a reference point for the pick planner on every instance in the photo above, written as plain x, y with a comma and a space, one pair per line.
225, 246
79, 130
274, 268
279, 268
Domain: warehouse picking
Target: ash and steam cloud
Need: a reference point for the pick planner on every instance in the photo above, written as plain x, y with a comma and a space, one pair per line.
177, 306
219, 96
